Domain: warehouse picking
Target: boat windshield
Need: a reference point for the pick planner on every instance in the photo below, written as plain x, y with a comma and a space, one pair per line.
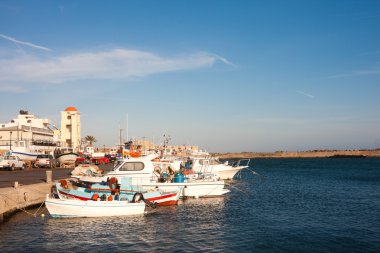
117, 165
208, 162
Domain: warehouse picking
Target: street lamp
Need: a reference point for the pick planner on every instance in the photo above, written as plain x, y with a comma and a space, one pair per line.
10, 140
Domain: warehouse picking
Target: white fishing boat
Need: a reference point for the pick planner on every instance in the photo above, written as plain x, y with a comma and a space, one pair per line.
61, 208
142, 172
224, 170
203, 165
25, 153
65, 155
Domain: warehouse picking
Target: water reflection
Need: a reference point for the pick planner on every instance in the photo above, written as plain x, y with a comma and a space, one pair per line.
294, 207
187, 225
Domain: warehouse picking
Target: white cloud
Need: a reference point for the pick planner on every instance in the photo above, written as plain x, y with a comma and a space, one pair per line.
305, 94
370, 71
24, 43
113, 64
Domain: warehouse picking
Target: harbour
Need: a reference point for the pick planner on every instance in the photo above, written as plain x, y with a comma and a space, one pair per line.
190, 126
313, 205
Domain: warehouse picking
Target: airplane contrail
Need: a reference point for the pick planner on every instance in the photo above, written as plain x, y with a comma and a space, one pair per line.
305, 94
24, 43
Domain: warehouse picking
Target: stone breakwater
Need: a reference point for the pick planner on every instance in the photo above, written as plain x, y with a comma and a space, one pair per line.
302, 154
22, 197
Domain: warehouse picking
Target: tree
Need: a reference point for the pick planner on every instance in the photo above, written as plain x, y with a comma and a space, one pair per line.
91, 139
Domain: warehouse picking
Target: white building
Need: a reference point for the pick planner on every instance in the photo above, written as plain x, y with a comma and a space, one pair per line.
70, 128
27, 131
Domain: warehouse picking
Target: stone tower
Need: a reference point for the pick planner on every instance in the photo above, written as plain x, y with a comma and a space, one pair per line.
70, 128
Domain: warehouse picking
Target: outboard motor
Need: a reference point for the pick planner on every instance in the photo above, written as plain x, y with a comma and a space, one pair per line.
137, 197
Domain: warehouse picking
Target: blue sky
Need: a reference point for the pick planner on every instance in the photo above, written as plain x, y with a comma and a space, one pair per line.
225, 75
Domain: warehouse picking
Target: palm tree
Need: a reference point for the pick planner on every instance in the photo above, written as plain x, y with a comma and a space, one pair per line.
91, 139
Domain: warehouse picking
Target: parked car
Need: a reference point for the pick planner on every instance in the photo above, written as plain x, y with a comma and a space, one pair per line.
45, 161
12, 162
82, 160
111, 158
99, 160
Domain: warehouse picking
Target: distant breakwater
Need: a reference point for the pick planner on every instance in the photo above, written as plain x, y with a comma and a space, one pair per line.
302, 154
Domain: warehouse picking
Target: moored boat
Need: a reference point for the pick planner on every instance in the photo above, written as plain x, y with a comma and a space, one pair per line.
65, 155
61, 208
223, 170
24, 154
113, 190
142, 172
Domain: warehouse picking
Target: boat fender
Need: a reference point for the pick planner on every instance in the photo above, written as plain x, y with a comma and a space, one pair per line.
64, 184
95, 197
113, 180
112, 183
137, 197
109, 198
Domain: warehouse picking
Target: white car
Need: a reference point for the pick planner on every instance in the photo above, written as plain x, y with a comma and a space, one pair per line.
45, 161
11, 162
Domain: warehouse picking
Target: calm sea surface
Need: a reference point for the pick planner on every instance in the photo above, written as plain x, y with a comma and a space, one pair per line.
290, 205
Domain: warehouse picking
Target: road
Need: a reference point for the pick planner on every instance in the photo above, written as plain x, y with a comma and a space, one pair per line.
36, 175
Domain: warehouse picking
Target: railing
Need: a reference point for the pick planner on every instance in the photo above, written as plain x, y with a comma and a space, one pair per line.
240, 162
44, 143
27, 143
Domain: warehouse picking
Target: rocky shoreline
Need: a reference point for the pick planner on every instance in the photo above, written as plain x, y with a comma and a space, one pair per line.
303, 154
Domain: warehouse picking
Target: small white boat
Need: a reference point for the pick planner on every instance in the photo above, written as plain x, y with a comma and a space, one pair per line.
24, 151
223, 170
64, 208
65, 155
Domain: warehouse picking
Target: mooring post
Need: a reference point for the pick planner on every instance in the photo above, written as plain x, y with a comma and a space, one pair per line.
49, 174
2, 210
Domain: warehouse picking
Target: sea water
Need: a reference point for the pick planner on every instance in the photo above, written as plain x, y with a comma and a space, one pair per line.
278, 205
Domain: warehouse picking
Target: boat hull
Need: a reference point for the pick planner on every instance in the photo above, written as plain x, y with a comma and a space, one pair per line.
67, 158
64, 208
192, 189
25, 156
160, 198
228, 173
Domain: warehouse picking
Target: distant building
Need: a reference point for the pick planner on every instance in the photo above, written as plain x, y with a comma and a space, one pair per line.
27, 130
70, 128
147, 146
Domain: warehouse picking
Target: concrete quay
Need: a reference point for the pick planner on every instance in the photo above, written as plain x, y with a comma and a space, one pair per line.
20, 197
20, 190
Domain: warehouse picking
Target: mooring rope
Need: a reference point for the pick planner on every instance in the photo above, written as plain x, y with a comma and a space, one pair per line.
26, 199
246, 192
239, 174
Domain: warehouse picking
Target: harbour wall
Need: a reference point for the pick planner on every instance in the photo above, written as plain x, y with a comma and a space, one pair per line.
301, 154
21, 197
